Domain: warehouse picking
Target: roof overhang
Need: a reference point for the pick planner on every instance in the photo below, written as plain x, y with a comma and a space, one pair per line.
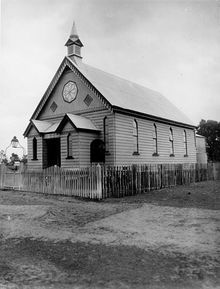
151, 117
78, 122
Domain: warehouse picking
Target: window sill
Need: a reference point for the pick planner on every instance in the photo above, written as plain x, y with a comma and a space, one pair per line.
185, 156
135, 154
172, 155
155, 155
69, 158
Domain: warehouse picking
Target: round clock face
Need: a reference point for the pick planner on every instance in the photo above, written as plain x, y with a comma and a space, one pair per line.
70, 91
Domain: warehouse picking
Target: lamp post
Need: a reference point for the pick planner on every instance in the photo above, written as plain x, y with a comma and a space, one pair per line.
15, 144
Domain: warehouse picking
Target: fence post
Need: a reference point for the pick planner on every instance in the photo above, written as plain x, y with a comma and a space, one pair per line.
99, 181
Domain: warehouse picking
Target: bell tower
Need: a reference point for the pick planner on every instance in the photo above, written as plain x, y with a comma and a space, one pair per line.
74, 45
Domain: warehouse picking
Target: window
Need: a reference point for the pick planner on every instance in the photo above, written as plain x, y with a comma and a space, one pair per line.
195, 138
69, 146
155, 144
53, 106
88, 100
185, 143
77, 49
70, 49
171, 143
34, 147
135, 136
106, 134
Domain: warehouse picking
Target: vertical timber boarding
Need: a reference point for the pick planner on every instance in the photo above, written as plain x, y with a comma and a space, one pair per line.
120, 181
98, 182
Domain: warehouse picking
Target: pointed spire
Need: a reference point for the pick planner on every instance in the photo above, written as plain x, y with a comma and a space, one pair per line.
73, 34
74, 44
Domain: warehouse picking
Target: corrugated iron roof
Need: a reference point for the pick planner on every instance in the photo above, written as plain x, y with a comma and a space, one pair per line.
45, 126
128, 95
81, 122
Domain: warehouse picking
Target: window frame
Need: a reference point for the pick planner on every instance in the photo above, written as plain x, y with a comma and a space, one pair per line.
69, 146
155, 141
135, 138
185, 143
106, 134
171, 141
34, 149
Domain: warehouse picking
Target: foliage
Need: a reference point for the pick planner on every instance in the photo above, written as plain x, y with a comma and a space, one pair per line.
24, 159
3, 158
210, 129
13, 160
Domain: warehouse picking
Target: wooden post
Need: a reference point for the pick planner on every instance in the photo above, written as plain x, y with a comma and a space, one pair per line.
99, 181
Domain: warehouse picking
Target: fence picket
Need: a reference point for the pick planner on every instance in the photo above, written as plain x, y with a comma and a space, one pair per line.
98, 182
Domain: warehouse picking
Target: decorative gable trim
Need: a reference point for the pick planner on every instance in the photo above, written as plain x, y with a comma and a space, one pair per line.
70, 42
70, 64
67, 63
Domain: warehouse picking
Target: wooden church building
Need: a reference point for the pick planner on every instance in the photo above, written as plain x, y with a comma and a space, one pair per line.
89, 116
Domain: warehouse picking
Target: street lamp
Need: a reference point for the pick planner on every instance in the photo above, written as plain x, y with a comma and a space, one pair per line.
15, 144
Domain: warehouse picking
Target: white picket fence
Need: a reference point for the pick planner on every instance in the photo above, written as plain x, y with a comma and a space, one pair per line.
98, 182
85, 182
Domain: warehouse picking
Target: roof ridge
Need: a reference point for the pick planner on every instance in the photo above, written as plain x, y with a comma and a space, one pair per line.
115, 76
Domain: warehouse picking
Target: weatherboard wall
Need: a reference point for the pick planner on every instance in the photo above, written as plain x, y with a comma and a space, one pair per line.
66, 162
35, 164
124, 142
97, 117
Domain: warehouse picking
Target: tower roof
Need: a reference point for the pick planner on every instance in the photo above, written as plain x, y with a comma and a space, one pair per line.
74, 37
73, 34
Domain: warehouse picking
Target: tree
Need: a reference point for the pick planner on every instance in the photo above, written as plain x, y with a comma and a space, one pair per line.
210, 129
24, 159
3, 158
14, 158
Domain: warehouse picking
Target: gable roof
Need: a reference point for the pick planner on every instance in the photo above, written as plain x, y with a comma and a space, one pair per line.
116, 92
131, 96
79, 122
45, 126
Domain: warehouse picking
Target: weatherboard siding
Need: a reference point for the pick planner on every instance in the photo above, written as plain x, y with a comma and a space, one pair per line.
85, 140
97, 117
74, 162
65, 162
35, 164
124, 142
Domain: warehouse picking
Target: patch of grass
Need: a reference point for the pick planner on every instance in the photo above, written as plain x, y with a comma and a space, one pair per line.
205, 195
101, 266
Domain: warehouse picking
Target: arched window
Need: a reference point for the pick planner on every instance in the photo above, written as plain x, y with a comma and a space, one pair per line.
69, 146
195, 137
155, 142
135, 136
106, 133
171, 143
185, 143
34, 147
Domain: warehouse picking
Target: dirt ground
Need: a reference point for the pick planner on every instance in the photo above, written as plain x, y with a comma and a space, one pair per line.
160, 240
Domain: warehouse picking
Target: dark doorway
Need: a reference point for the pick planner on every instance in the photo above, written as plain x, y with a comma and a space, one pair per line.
53, 152
97, 151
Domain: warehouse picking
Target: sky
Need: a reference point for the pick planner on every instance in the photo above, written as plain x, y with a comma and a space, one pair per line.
169, 46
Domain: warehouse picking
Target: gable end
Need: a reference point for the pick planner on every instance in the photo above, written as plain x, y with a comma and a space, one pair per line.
66, 63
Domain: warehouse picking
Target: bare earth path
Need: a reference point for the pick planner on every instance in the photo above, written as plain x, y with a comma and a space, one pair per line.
162, 239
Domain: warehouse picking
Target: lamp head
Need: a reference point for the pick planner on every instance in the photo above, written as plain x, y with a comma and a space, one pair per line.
14, 142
